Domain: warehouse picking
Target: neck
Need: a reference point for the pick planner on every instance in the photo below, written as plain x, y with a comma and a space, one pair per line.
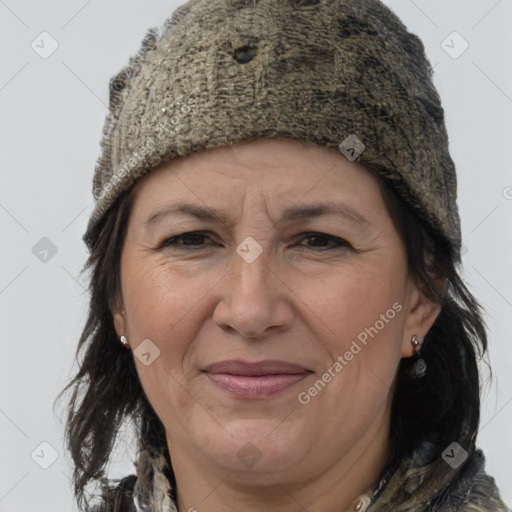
202, 485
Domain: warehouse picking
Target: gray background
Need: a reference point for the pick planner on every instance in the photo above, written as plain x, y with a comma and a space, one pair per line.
52, 113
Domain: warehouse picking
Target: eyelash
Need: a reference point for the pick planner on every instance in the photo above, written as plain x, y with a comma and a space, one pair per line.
341, 244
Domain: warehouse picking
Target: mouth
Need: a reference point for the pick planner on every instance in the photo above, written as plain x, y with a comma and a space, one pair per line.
262, 379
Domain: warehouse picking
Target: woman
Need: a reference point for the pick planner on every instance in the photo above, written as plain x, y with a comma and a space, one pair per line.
275, 295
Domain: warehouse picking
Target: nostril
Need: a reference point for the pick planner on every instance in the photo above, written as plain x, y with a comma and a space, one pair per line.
244, 54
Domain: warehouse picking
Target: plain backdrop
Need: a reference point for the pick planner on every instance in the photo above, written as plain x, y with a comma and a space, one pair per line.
52, 113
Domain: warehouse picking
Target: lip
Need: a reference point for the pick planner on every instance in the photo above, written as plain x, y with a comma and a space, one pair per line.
261, 379
247, 368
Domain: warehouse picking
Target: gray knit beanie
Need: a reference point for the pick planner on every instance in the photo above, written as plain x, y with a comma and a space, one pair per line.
339, 73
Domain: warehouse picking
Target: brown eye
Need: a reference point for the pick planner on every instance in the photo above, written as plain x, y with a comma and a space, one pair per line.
190, 239
320, 239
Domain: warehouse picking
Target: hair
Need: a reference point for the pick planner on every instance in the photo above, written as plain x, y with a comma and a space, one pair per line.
106, 391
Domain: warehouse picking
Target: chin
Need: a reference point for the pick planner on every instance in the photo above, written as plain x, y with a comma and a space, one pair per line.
252, 446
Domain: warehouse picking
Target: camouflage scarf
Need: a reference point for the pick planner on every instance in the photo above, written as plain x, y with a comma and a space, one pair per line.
399, 489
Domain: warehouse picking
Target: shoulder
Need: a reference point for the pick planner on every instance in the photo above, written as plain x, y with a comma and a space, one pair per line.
484, 491
118, 498
474, 490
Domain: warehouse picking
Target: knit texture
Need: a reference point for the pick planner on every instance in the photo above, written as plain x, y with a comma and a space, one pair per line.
332, 72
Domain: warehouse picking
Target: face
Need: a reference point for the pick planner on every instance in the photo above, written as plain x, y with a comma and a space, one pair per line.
301, 270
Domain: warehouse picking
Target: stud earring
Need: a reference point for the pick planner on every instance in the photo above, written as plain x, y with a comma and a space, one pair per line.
124, 341
416, 343
419, 368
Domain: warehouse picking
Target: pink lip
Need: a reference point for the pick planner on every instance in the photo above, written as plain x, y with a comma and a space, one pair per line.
255, 380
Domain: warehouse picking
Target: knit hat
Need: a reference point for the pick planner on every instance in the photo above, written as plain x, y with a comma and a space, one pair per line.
339, 73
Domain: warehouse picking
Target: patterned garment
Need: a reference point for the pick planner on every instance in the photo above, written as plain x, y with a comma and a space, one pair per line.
472, 491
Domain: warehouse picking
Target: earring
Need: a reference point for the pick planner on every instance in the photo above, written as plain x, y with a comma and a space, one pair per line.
419, 368
416, 343
124, 341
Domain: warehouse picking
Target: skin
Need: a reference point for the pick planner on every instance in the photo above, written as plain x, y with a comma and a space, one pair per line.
301, 300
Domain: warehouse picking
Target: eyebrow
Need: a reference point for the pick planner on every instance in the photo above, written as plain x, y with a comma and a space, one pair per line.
295, 213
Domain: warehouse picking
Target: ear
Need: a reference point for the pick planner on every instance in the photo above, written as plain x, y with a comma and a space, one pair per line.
421, 314
119, 322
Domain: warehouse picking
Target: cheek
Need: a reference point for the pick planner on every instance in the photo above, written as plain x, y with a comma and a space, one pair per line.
160, 304
159, 298
356, 303
163, 305
364, 314
167, 392
365, 319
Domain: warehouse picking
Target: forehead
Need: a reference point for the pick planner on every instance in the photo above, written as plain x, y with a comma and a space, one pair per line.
280, 172
290, 163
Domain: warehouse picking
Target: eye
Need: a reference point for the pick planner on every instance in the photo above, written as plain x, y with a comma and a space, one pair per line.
322, 237
193, 241
190, 239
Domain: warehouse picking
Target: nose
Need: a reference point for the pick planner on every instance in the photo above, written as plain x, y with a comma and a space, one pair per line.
255, 298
